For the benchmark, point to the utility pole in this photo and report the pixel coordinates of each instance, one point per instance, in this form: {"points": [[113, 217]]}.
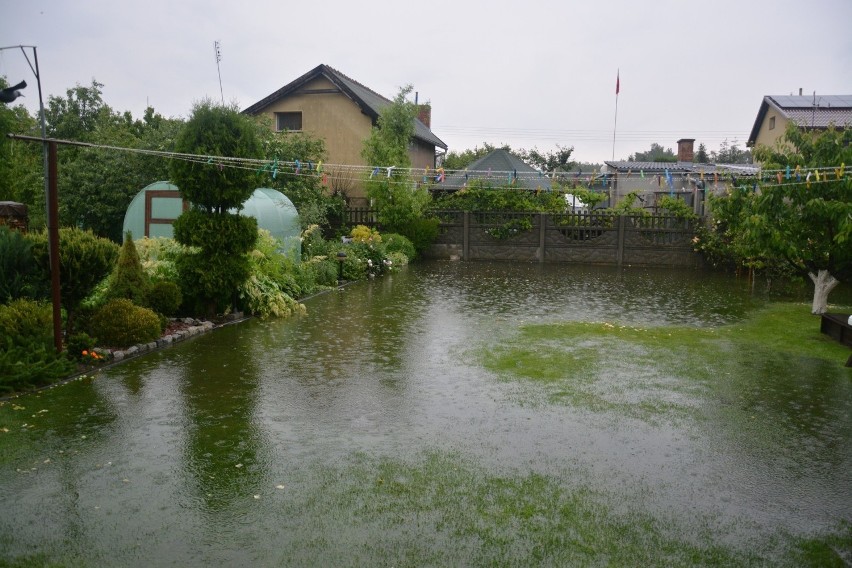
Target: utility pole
{"points": [[218, 49]]}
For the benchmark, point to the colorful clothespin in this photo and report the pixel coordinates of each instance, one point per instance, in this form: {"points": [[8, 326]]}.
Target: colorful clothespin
{"points": [[375, 172], [787, 172]]}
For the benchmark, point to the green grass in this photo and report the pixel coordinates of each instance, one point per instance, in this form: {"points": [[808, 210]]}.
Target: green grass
{"points": [[648, 372]]}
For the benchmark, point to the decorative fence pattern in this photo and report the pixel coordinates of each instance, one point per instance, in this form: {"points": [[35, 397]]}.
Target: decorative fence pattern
{"points": [[579, 237]]}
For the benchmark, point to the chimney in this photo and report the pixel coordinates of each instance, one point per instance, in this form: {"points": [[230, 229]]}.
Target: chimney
{"points": [[685, 151], [800, 91], [424, 114]]}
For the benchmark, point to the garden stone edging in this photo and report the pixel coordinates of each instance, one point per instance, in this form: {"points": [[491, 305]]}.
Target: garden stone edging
{"points": [[196, 327]]}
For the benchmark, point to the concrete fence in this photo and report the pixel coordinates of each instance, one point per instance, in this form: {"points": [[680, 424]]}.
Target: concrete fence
{"points": [[579, 237]]}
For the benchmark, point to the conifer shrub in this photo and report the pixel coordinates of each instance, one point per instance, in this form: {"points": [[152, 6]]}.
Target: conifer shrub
{"points": [[128, 280], [20, 275], [164, 298], [27, 356], [121, 323]]}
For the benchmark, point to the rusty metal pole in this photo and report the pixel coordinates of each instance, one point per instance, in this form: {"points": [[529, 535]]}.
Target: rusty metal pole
{"points": [[53, 243]]}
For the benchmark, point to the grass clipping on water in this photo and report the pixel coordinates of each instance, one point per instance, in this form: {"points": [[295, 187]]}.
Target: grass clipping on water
{"points": [[648, 371]]}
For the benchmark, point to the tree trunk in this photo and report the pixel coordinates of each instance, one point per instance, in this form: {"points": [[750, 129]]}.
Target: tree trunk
{"points": [[824, 283]]}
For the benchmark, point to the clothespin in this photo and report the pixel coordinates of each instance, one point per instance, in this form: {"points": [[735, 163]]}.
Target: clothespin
{"points": [[787, 172], [808, 180], [374, 172], [298, 167], [798, 173], [319, 166], [779, 177], [817, 174], [390, 171]]}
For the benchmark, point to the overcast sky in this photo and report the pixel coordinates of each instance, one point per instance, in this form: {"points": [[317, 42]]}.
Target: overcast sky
{"points": [[530, 74]]}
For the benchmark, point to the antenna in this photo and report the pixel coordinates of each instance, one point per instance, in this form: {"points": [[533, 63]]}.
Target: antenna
{"points": [[218, 49]]}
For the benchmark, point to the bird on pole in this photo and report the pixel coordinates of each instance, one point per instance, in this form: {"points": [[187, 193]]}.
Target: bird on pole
{"points": [[9, 94]]}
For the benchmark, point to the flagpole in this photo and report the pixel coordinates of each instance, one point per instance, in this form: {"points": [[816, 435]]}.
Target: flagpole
{"points": [[615, 125]]}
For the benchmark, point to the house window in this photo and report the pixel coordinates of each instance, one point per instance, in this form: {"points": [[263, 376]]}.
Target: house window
{"points": [[288, 120], [771, 123]]}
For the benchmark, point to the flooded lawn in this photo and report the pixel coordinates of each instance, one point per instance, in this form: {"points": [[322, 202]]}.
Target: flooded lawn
{"points": [[453, 414]]}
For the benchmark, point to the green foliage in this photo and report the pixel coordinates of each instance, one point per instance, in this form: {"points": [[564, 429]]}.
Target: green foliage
{"points": [[627, 206], [26, 321], [558, 161], [270, 286], [656, 154], [397, 196], [128, 280], [215, 131], [84, 260], [158, 256], [313, 243], [225, 232], [510, 229], [482, 196], [163, 297], [209, 282], [422, 232], [389, 140], [364, 234], [396, 243], [21, 165], [809, 225], [28, 367], [98, 184], [27, 356], [80, 346], [677, 207], [20, 275], [209, 276], [121, 323]]}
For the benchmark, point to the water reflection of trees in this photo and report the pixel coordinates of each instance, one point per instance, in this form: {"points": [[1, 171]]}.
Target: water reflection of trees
{"points": [[223, 450]]}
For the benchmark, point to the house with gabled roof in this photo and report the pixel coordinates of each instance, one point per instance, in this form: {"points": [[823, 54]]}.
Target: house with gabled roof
{"points": [[810, 111], [329, 105]]}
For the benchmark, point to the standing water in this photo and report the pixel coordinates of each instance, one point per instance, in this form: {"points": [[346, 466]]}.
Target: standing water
{"points": [[398, 423]]}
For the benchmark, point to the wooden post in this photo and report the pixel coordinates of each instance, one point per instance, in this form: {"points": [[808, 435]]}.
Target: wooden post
{"points": [[542, 228], [53, 243]]}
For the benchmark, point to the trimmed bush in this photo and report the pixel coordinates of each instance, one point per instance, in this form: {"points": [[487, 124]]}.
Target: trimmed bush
{"points": [[394, 242], [164, 298], [27, 321], [128, 280], [84, 260], [121, 323]]}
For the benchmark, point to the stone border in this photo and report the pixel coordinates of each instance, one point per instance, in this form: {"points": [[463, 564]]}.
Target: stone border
{"points": [[196, 327]]}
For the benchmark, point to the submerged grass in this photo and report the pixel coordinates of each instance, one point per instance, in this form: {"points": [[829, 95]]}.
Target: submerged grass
{"points": [[648, 372]]}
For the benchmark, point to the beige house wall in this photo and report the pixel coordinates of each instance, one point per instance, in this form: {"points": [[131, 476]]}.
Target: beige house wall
{"points": [[769, 137]]}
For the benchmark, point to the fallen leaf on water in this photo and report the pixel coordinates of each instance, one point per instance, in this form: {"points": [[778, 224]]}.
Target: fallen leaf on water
{"points": [[257, 496], [279, 487], [239, 465]]}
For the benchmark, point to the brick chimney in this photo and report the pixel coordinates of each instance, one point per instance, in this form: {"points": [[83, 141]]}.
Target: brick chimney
{"points": [[424, 114], [685, 152]]}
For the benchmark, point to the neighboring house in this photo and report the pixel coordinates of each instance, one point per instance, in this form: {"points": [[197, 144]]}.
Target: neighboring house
{"points": [[684, 179], [329, 105], [810, 111], [498, 168]]}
